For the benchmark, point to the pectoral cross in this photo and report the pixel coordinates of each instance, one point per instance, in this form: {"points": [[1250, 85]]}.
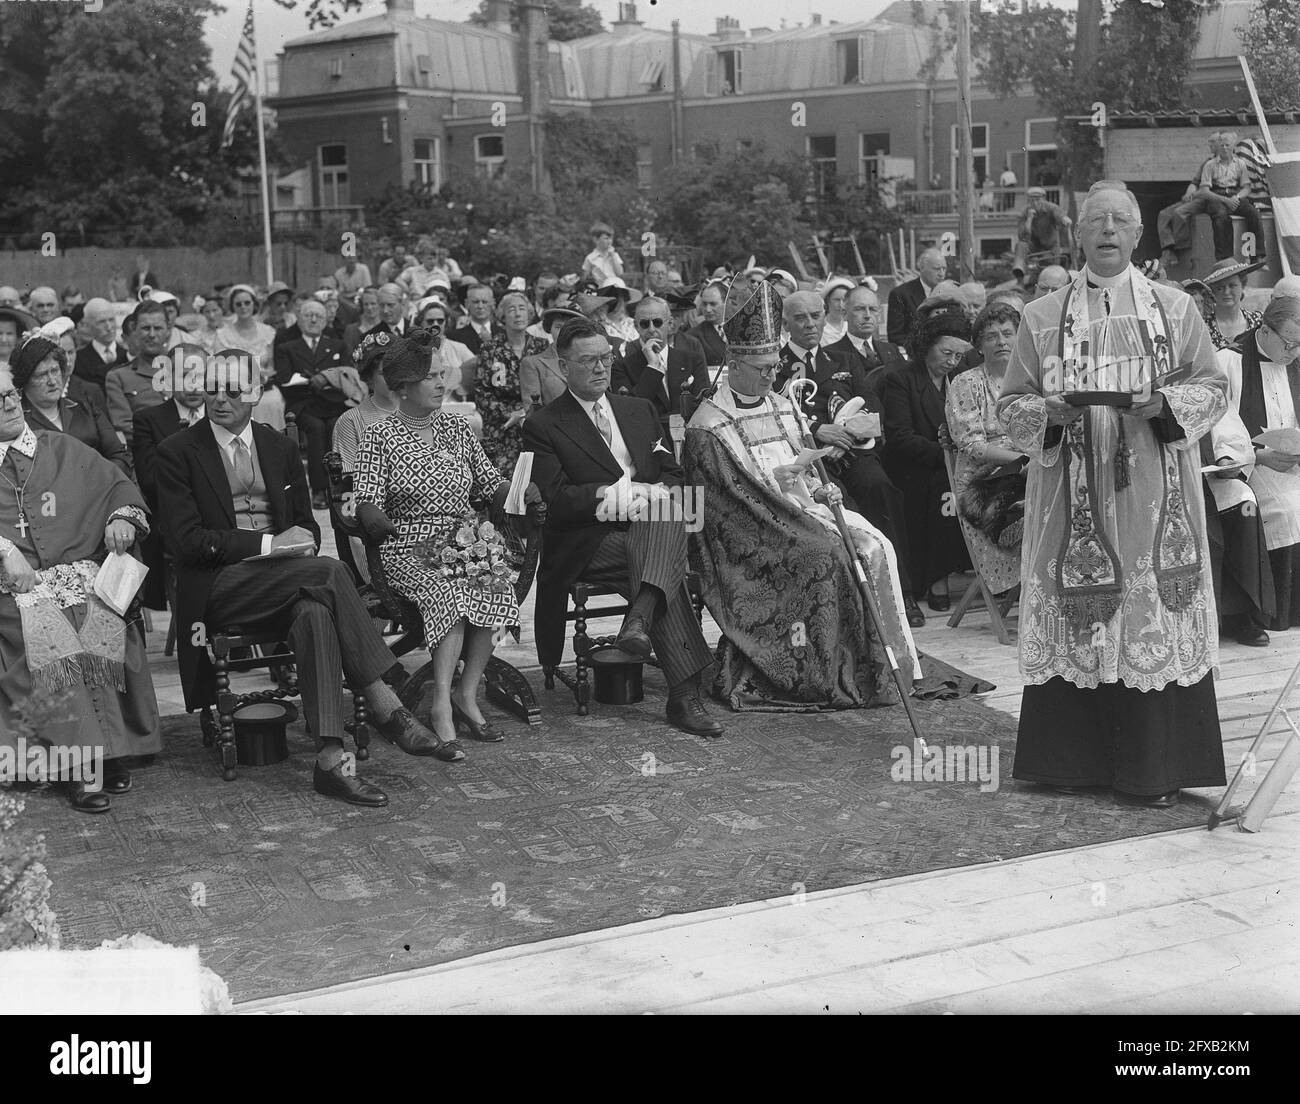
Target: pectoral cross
{"points": [[22, 525]]}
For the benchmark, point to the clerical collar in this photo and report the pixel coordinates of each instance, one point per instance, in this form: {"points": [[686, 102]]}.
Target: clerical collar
{"points": [[1096, 281], [747, 402], [25, 443]]}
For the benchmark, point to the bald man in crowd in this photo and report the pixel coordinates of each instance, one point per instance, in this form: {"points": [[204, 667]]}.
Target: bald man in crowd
{"points": [[104, 352], [904, 299], [1050, 279], [9, 297], [43, 303]]}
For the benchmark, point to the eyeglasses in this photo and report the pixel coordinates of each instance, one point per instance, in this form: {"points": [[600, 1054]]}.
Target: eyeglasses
{"points": [[646, 323], [6, 396], [50, 374], [590, 362], [234, 392], [1287, 346], [951, 355], [1122, 221], [435, 322]]}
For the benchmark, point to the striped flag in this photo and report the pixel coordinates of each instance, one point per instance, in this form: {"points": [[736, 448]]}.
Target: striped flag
{"points": [[245, 73], [1284, 180]]}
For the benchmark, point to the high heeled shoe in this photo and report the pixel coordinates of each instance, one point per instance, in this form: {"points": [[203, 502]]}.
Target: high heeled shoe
{"points": [[485, 733]]}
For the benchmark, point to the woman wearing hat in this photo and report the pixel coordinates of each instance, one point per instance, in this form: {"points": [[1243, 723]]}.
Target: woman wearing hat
{"points": [[41, 370], [1227, 282], [415, 473], [14, 322], [541, 378], [251, 335], [496, 380], [835, 293]]}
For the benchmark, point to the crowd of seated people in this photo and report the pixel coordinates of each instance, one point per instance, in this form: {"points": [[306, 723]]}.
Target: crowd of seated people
{"points": [[160, 434]]}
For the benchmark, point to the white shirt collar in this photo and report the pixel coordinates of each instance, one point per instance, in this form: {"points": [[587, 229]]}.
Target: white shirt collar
{"points": [[25, 443], [225, 438], [861, 343], [589, 405], [185, 412], [801, 354], [106, 352]]}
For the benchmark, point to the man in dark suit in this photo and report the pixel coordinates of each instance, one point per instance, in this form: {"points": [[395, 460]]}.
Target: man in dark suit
{"points": [[605, 469], [104, 352], [308, 394], [868, 357], [478, 327], [904, 299], [709, 331], [858, 470], [652, 369], [152, 427], [231, 490]]}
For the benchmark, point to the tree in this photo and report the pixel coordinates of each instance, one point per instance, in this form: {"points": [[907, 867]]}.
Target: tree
{"points": [[124, 103], [1271, 40], [27, 35], [569, 19], [733, 204]]}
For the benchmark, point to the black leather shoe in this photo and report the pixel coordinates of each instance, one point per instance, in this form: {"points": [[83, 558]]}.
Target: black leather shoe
{"points": [[1252, 636], [1159, 801], [319, 501], [915, 616], [633, 637], [117, 779], [689, 715], [413, 738], [485, 733], [940, 603], [334, 783], [84, 801]]}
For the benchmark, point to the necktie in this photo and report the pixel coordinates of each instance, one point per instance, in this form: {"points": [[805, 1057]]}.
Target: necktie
{"points": [[602, 424], [808, 361], [243, 464], [311, 344]]}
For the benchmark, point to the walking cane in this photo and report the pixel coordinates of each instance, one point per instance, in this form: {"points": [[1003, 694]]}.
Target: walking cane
{"points": [[797, 389]]}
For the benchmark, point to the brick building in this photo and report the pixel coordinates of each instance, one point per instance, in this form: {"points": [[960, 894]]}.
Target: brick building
{"points": [[399, 98]]}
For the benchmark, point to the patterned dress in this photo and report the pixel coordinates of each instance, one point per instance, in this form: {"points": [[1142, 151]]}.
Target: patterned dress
{"points": [[425, 493], [972, 416], [496, 394]]}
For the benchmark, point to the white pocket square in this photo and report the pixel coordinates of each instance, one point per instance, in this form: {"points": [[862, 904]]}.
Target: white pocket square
{"points": [[659, 447]]}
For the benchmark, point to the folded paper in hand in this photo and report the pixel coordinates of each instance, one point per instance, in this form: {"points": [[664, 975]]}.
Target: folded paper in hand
{"points": [[1283, 440], [519, 484], [808, 457], [118, 580]]}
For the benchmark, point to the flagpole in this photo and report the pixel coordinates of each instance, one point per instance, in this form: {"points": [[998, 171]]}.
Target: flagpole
{"points": [[261, 153], [1272, 156]]}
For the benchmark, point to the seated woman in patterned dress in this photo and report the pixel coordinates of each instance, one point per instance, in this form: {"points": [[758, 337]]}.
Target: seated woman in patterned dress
{"points": [[991, 509], [413, 479]]}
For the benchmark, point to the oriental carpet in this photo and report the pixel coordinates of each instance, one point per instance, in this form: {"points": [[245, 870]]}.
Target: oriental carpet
{"points": [[581, 824]]}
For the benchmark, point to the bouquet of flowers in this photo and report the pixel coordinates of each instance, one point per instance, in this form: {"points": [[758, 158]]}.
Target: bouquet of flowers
{"points": [[472, 551]]}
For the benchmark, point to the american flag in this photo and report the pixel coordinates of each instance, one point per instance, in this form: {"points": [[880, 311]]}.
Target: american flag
{"points": [[1284, 181], [245, 73]]}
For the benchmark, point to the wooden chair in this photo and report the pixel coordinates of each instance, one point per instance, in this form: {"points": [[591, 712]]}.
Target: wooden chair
{"points": [[506, 685], [998, 610], [582, 592], [234, 650]]}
